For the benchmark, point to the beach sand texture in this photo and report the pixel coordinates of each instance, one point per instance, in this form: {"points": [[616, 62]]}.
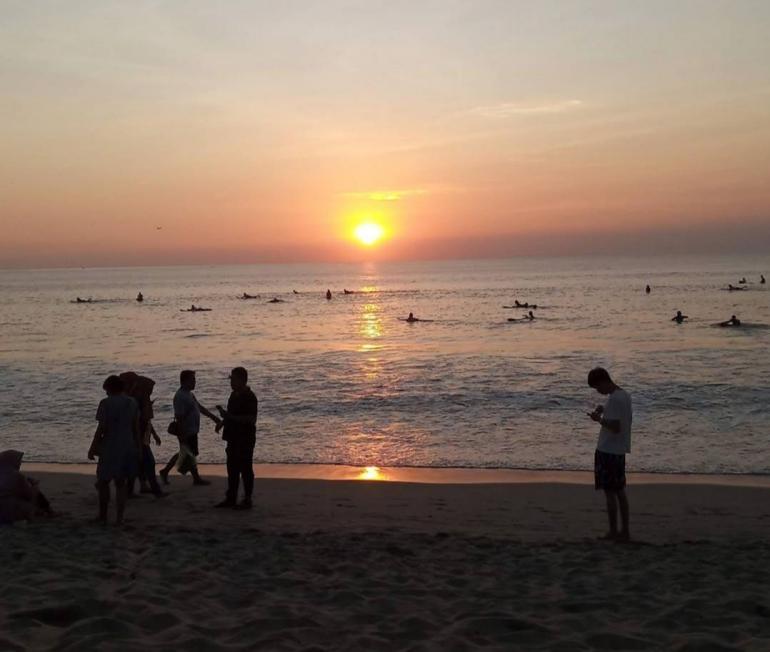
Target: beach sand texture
{"points": [[350, 565]]}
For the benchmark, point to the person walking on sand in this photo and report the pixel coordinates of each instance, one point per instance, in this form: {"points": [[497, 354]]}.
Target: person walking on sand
{"points": [[116, 443], [610, 458], [187, 413], [240, 433], [140, 389]]}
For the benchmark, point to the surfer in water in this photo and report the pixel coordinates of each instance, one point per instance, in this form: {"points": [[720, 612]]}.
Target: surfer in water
{"points": [[647, 290], [530, 316], [250, 296], [140, 297], [743, 280], [762, 279], [734, 288], [411, 319], [679, 317], [79, 300], [328, 295], [275, 300], [733, 321]]}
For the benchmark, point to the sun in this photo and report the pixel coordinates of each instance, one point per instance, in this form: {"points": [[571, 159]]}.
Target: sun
{"points": [[368, 233]]}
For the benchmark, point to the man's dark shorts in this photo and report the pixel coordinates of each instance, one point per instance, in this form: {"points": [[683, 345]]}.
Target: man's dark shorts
{"points": [[609, 471]]}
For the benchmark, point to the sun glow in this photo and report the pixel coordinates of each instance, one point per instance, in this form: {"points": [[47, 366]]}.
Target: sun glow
{"points": [[368, 233], [371, 473]]}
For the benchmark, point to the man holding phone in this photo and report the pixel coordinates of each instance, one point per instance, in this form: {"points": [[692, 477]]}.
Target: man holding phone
{"points": [[614, 442], [240, 433]]}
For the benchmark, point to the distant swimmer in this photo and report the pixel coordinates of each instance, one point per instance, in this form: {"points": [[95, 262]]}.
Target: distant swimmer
{"points": [[140, 297], [328, 295], [411, 319], [734, 288], [295, 292], [79, 300], [194, 308], [762, 279], [348, 291], [648, 289], [275, 300], [529, 316], [733, 321], [518, 304], [679, 317], [250, 296], [743, 280]]}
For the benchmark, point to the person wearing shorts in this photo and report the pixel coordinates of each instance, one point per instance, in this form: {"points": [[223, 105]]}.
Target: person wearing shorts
{"points": [[614, 419]]}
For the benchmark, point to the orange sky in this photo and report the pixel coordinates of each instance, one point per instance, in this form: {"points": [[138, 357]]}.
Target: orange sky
{"points": [[465, 128]]}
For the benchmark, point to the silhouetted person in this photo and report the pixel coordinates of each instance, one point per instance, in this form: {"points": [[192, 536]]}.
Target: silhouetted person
{"points": [[648, 289], [140, 297], [733, 321], [275, 300], [679, 317], [79, 300], [328, 295], [187, 413], [614, 442], [116, 443], [743, 280], [140, 389], [762, 279], [240, 433], [734, 288], [249, 296], [530, 316], [411, 318], [20, 495]]}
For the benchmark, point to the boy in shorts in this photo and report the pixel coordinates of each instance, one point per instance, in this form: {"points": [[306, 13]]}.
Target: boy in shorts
{"points": [[615, 418]]}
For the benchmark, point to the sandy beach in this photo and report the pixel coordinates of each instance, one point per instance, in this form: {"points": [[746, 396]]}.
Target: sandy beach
{"points": [[356, 565]]}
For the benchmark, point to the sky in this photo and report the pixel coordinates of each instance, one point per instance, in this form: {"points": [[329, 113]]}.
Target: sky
{"points": [[179, 132]]}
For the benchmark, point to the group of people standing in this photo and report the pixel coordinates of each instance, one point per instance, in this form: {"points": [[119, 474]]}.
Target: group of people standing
{"points": [[124, 432]]}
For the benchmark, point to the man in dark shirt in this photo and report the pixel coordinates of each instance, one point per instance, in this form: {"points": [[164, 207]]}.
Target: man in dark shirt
{"points": [[240, 433]]}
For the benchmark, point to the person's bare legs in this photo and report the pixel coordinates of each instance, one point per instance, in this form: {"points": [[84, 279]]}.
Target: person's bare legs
{"points": [[167, 469], [625, 532], [104, 500], [612, 514], [197, 480], [120, 499]]}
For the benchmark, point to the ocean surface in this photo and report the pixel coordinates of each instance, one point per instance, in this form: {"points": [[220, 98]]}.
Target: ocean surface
{"points": [[346, 382]]}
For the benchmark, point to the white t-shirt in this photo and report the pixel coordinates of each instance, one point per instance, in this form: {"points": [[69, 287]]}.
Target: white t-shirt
{"points": [[186, 410], [618, 407]]}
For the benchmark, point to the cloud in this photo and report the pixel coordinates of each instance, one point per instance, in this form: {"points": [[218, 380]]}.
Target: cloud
{"points": [[386, 195], [509, 109]]}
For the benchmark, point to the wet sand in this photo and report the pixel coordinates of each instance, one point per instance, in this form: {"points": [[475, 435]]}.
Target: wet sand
{"points": [[365, 565]]}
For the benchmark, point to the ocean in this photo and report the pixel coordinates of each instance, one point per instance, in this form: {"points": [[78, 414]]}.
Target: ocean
{"points": [[346, 381]]}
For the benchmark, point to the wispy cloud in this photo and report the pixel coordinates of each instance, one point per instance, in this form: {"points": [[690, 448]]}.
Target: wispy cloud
{"points": [[508, 109], [386, 195]]}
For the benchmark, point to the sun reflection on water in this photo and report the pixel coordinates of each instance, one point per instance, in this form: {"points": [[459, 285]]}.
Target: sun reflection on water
{"points": [[371, 473]]}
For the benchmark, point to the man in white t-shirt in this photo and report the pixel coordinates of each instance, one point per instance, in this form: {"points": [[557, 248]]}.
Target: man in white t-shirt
{"points": [[187, 413], [615, 418]]}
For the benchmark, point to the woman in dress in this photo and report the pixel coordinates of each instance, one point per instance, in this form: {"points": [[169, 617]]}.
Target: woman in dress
{"points": [[116, 443]]}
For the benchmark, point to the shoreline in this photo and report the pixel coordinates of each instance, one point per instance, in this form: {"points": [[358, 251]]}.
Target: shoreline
{"points": [[436, 475]]}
